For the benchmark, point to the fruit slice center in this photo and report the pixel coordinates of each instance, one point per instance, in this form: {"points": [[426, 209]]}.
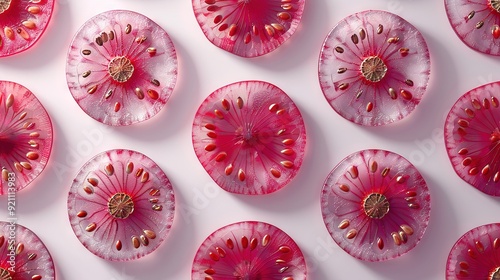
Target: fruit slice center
{"points": [[4, 273], [120, 206], [495, 4], [376, 206], [4, 5], [373, 68], [120, 69], [495, 274]]}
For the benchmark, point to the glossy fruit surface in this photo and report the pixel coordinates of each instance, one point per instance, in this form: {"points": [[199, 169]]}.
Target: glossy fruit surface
{"points": [[22, 23], [23, 256], [374, 68], [248, 28], [250, 137], [476, 255], [476, 23], [376, 205], [121, 205], [121, 67], [472, 137], [26, 137], [249, 250]]}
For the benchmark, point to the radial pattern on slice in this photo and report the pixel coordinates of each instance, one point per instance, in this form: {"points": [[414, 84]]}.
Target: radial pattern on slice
{"points": [[248, 28], [250, 137], [121, 67], [472, 137], [376, 205], [22, 22], [31, 259], [476, 255], [476, 23], [249, 250], [121, 205], [374, 68], [25, 137]]}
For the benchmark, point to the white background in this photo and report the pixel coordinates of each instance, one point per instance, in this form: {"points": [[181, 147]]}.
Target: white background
{"points": [[201, 206]]}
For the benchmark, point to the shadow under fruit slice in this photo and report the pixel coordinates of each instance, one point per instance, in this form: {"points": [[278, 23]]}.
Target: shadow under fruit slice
{"points": [[376, 205], [121, 67], [25, 137], [249, 250], [250, 137], [476, 23], [374, 68], [248, 28], [472, 138], [476, 255], [121, 205], [32, 259], [22, 23]]}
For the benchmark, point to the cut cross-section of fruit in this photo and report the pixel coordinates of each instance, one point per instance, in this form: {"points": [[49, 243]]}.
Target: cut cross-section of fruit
{"points": [[376, 205], [121, 205], [249, 250], [476, 23], [476, 255], [374, 68], [121, 67], [472, 137], [248, 28], [25, 137], [250, 137], [23, 255], [22, 23]]}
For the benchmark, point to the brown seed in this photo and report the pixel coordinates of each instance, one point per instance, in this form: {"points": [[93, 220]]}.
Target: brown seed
{"points": [[409, 82], [145, 177], [265, 240], [5, 174], [479, 246], [144, 240], [253, 243], [369, 107], [486, 103], [29, 24], [355, 39], [344, 188], [155, 82], [139, 93], [362, 34], [343, 86], [149, 234], [403, 236], [218, 114], [32, 155], [98, 41], [406, 94], [88, 189], [277, 26], [353, 171], [230, 243], [287, 164], [93, 181], [25, 165], [469, 112], [471, 15], [81, 214], [153, 94], [393, 40], [108, 94], [239, 102], [341, 70], [19, 248], [110, 170], [287, 152], [406, 229], [221, 252], [18, 166], [284, 16], [373, 166], [34, 10], [92, 89], [86, 52], [275, 172], [339, 49], [476, 104], [9, 33], [385, 171], [463, 123], [140, 39], [404, 51], [10, 101], [486, 170], [86, 74], [284, 249], [111, 35], [288, 142], [154, 192], [118, 245], [396, 238], [157, 207], [225, 104], [351, 234], [128, 29], [269, 29], [479, 24], [32, 256], [380, 243], [151, 51], [135, 242], [344, 224], [91, 227], [392, 93], [494, 102], [380, 29], [130, 167]]}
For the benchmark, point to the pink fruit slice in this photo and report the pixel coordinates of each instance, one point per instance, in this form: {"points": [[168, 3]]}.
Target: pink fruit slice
{"points": [[476, 23], [121, 205], [476, 255], [121, 67], [25, 137], [248, 28], [374, 68], [23, 255], [472, 137], [376, 205], [250, 137], [22, 23], [249, 250]]}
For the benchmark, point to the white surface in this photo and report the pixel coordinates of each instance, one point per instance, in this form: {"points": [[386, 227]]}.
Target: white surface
{"points": [[202, 206]]}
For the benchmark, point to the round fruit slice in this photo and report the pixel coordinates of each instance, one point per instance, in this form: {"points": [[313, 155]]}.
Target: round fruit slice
{"points": [[249, 250], [248, 28], [121, 67], [250, 137], [22, 23], [25, 137], [476, 23], [476, 255], [23, 255], [374, 68], [376, 205], [121, 205], [472, 137]]}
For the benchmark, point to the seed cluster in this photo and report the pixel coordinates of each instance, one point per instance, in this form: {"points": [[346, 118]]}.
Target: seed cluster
{"points": [[22, 253], [27, 22]]}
